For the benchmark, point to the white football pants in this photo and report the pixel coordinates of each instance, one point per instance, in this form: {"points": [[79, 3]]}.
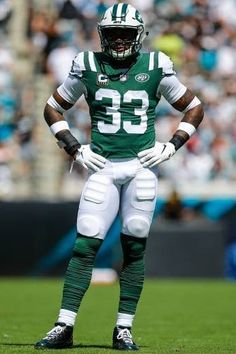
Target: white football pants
{"points": [[123, 186]]}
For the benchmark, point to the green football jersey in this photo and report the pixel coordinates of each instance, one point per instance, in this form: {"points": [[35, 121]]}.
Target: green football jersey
{"points": [[121, 102]]}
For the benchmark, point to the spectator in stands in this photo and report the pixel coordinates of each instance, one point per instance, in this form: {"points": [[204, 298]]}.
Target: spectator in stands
{"points": [[60, 59], [201, 31], [173, 209], [5, 14]]}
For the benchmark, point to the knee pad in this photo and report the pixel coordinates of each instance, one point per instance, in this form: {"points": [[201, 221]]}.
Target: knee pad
{"points": [[138, 226], [88, 225]]}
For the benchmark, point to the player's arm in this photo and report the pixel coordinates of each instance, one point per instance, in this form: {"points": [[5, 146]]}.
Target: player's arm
{"points": [[182, 99], [53, 114], [63, 99], [192, 108]]}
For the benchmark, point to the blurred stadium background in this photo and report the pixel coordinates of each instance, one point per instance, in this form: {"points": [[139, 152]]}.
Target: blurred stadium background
{"points": [[194, 228]]}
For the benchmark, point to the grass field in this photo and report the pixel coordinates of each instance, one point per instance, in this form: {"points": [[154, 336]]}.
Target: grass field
{"points": [[174, 316]]}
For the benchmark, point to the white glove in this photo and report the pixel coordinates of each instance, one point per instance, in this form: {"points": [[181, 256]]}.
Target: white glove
{"points": [[159, 153], [88, 159]]}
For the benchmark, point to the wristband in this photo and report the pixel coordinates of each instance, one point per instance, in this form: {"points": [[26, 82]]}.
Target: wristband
{"points": [[68, 142], [187, 128], [58, 126], [177, 141]]}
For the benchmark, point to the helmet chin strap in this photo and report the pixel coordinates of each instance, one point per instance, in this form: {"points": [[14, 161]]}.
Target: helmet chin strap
{"points": [[125, 64]]}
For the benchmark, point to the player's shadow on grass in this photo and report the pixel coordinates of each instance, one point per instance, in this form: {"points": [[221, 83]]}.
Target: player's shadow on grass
{"points": [[17, 344], [101, 346], [98, 346]]}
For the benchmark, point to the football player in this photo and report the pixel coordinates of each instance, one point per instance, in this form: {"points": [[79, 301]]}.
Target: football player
{"points": [[122, 87]]}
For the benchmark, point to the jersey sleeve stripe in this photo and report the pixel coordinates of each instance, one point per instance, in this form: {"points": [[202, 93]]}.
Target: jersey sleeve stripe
{"points": [[166, 64], [162, 59], [92, 61], [80, 60], [151, 61]]}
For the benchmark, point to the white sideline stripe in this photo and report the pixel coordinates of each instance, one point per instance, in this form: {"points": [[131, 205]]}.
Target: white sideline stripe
{"points": [[151, 61], [81, 61], [91, 61]]}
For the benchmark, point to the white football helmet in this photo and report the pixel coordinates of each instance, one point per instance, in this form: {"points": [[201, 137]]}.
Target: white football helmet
{"points": [[121, 31]]}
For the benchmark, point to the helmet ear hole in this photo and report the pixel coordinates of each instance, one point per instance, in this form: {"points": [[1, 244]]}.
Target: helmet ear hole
{"points": [[121, 31]]}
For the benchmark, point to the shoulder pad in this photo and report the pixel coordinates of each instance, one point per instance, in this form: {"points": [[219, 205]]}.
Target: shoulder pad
{"points": [[83, 61], [166, 64]]}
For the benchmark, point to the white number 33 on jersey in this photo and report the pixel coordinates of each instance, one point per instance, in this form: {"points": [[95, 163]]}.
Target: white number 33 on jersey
{"points": [[113, 110]]}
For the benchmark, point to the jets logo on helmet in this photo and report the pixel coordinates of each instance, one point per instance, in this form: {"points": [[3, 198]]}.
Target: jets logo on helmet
{"points": [[121, 31]]}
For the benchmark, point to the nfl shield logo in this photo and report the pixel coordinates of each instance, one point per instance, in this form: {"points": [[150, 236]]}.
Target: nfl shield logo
{"points": [[123, 78]]}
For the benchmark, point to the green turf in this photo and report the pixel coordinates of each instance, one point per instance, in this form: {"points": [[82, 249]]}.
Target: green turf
{"points": [[174, 316]]}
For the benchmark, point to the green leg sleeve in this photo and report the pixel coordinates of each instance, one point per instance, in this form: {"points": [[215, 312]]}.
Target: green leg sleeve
{"points": [[132, 273], [79, 272]]}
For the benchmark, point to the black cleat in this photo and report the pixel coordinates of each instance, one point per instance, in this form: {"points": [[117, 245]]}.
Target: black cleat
{"points": [[61, 336], [122, 339]]}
